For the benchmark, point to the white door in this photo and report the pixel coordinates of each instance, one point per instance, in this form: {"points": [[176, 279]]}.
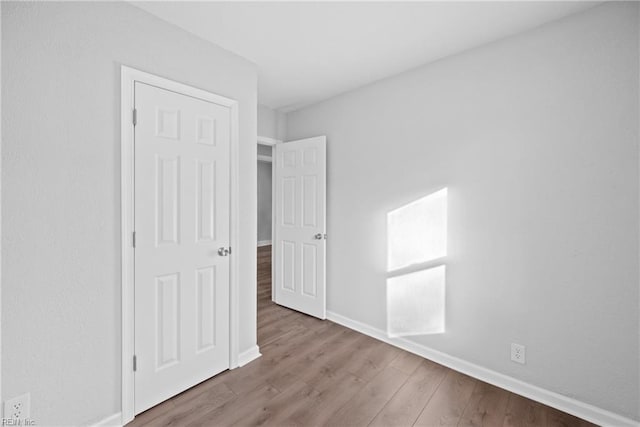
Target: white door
{"points": [[181, 220], [300, 239]]}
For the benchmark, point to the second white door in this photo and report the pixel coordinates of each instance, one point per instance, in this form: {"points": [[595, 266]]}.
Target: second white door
{"points": [[182, 149], [300, 225]]}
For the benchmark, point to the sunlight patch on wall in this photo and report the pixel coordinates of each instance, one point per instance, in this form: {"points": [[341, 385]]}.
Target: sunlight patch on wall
{"points": [[417, 232], [417, 245], [415, 303]]}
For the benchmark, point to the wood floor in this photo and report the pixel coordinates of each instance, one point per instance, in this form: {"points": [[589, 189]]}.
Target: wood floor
{"points": [[315, 373]]}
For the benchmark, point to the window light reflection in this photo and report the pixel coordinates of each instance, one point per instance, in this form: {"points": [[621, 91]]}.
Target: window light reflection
{"points": [[417, 232]]}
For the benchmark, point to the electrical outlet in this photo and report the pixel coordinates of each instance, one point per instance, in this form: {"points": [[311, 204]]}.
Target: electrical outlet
{"points": [[518, 353], [18, 408]]}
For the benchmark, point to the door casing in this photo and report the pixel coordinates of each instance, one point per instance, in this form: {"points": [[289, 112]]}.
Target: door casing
{"points": [[128, 77]]}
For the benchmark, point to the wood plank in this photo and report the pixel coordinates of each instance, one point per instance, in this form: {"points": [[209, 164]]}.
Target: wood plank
{"points": [[233, 411], [407, 362], [329, 397], [359, 353], [487, 406], [191, 403], [307, 361], [280, 372], [406, 405], [333, 363], [378, 357], [366, 403], [335, 360], [522, 412], [279, 407], [446, 406]]}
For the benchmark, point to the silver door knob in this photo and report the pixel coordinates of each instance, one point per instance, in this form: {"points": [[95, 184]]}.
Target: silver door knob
{"points": [[318, 236], [224, 251]]}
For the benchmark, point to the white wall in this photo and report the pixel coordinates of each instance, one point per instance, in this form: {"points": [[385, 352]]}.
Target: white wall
{"points": [[61, 199], [271, 123], [536, 137]]}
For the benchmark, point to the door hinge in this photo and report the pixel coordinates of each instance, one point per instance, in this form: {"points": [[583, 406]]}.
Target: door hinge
{"points": [[134, 239], [135, 363], [135, 117]]}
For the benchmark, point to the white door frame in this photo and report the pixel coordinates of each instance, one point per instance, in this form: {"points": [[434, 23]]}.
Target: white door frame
{"points": [[270, 142], [128, 77]]}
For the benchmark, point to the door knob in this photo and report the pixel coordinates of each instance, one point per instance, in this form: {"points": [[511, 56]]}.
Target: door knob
{"points": [[318, 236], [224, 251]]}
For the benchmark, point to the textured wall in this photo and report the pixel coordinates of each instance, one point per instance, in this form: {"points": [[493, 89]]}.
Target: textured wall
{"points": [[61, 192], [536, 137]]}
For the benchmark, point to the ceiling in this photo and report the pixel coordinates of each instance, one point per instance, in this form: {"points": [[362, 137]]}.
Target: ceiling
{"points": [[306, 52]]}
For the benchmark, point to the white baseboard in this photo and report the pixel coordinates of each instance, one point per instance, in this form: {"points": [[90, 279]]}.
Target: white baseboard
{"points": [[566, 404], [264, 243], [249, 355], [110, 421]]}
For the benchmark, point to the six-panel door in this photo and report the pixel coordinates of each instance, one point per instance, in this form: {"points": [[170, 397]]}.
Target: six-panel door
{"points": [[300, 239], [181, 219]]}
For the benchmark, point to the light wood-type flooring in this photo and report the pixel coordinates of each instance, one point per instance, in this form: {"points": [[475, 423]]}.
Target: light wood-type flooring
{"points": [[315, 372]]}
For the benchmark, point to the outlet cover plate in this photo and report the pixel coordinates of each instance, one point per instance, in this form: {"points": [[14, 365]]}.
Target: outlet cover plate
{"points": [[518, 353], [18, 408]]}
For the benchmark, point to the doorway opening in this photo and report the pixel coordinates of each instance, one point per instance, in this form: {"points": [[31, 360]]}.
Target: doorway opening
{"points": [[267, 310], [291, 232], [265, 207]]}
